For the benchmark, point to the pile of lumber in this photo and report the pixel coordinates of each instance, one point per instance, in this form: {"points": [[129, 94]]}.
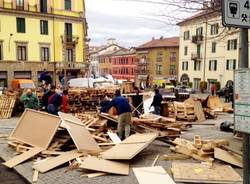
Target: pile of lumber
{"points": [[7, 104], [166, 127], [86, 143], [184, 111], [86, 99], [208, 150]]}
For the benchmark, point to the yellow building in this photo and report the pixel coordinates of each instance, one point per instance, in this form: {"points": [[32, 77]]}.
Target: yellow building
{"points": [[157, 61], [38, 34]]}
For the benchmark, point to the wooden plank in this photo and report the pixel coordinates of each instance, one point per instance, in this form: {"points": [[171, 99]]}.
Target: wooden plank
{"points": [[23, 157], [130, 147], [35, 176], [82, 138], [36, 128], [198, 111], [97, 164], [201, 173], [228, 157], [56, 161], [149, 175], [114, 137]]}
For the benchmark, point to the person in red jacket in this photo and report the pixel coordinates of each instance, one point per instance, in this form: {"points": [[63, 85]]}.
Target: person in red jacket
{"points": [[213, 89], [65, 100]]}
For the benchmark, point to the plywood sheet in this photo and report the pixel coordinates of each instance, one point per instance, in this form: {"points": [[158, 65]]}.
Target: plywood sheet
{"points": [[23, 157], [228, 157], [69, 117], [201, 173], [56, 161], [108, 166], [130, 147], [36, 128], [150, 175], [82, 138]]}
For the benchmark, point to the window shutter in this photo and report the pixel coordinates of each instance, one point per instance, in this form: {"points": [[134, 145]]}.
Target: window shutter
{"points": [[215, 65], [228, 44], [182, 65], [227, 65], [210, 65], [234, 64], [235, 44], [187, 65]]}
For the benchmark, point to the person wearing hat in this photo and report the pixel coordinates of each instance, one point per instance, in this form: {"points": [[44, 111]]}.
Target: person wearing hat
{"points": [[124, 113], [30, 100]]}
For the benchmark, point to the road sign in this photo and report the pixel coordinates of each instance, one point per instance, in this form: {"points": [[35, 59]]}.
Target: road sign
{"points": [[236, 13], [242, 100]]}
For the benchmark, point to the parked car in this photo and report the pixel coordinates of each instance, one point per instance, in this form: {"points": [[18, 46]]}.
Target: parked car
{"points": [[182, 93]]}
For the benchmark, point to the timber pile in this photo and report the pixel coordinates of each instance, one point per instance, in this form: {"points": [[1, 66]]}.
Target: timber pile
{"points": [[208, 150], [86, 99], [165, 127], [7, 103]]}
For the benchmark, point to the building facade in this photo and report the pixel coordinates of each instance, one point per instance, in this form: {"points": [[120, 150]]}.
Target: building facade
{"points": [[157, 61], [208, 51], [123, 63], [41, 34]]}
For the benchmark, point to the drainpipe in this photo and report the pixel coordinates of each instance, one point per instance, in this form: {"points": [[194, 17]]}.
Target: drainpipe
{"points": [[205, 51]]}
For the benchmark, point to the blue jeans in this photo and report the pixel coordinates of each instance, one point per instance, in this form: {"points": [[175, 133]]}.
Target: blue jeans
{"points": [[52, 109], [157, 110]]}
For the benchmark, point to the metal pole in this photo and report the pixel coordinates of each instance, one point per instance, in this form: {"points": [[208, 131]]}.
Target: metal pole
{"points": [[243, 63]]}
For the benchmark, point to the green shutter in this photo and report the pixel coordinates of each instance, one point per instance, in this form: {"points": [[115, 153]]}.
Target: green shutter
{"points": [[20, 25], [67, 4]]}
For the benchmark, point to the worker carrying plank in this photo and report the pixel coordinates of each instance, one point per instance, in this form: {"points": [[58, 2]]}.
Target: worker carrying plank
{"points": [[124, 113]]}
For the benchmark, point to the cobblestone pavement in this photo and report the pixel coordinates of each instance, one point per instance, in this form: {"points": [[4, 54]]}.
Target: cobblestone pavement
{"points": [[145, 158]]}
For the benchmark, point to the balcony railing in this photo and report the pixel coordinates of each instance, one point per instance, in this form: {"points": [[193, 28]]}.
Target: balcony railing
{"points": [[70, 39], [197, 38], [195, 56]]}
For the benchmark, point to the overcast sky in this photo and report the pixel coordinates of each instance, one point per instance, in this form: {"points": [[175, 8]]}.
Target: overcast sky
{"points": [[131, 23]]}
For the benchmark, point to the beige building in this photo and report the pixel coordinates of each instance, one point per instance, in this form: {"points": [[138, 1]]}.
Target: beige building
{"points": [[157, 61], [208, 50]]}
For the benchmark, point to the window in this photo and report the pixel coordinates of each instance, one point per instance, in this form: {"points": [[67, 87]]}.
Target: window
{"points": [[197, 65], [199, 31], [21, 53], [20, 23], [67, 4], [214, 29], [199, 50], [185, 65], [159, 57], [20, 4], [186, 35], [44, 27], [212, 65], [232, 44], [197, 83], [173, 56], [44, 53], [68, 31], [185, 50], [69, 55], [43, 6], [231, 64], [172, 70], [158, 69], [1, 51], [213, 47]]}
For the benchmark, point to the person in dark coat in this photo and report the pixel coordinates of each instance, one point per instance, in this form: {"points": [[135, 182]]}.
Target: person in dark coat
{"points": [[45, 97], [124, 113], [137, 102], [157, 102], [54, 102]]}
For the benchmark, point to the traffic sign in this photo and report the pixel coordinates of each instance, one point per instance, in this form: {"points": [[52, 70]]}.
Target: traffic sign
{"points": [[242, 100], [236, 13]]}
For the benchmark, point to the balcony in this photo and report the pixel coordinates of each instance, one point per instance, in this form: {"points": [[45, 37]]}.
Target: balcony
{"points": [[70, 40], [196, 56], [72, 65], [197, 38]]}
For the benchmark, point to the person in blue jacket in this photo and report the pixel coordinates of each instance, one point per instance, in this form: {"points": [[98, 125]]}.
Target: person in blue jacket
{"points": [[124, 113], [157, 102]]}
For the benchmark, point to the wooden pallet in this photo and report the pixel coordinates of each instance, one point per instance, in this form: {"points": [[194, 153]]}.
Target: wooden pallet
{"points": [[7, 104]]}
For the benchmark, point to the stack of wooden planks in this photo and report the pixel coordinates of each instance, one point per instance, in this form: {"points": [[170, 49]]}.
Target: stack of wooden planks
{"points": [[7, 103], [87, 99]]}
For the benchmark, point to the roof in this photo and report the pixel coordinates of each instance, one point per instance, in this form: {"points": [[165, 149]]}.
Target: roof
{"points": [[123, 52], [201, 14], [159, 43], [111, 52]]}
